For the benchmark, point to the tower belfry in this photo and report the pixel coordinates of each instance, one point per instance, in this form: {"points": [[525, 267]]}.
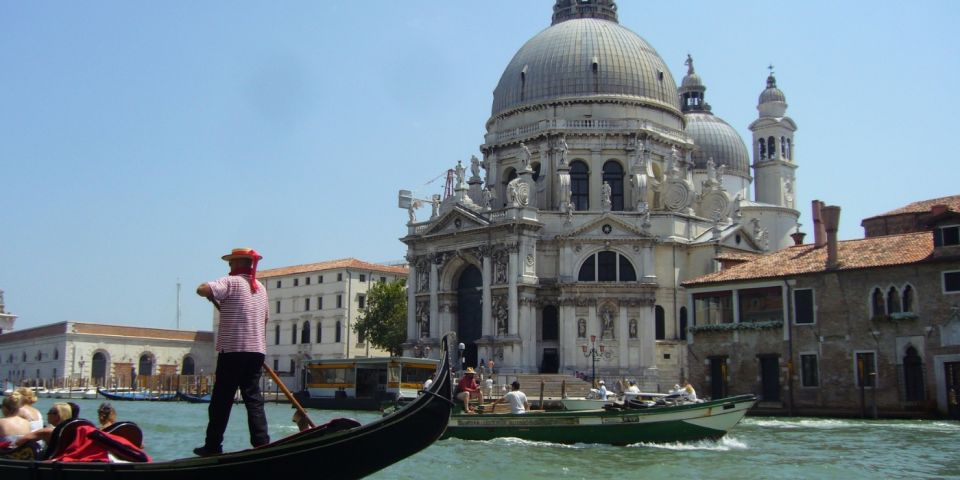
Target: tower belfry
{"points": [[774, 161]]}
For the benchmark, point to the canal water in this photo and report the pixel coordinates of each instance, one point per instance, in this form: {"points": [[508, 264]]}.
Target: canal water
{"points": [[759, 447]]}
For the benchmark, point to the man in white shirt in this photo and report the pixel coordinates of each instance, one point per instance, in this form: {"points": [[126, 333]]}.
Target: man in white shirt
{"points": [[602, 391], [633, 388], [515, 398]]}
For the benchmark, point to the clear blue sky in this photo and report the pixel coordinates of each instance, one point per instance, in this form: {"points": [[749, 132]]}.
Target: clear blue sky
{"points": [[139, 141]]}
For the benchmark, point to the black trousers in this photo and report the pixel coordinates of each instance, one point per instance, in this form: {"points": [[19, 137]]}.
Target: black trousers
{"points": [[237, 370]]}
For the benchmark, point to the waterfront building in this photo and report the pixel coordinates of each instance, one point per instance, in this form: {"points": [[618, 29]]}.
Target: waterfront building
{"points": [[76, 352], [600, 186], [866, 327], [312, 311]]}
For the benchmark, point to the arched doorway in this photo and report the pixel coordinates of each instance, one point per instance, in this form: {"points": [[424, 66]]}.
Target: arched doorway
{"points": [[913, 376], [99, 369], [188, 366], [550, 335], [469, 312], [146, 364]]}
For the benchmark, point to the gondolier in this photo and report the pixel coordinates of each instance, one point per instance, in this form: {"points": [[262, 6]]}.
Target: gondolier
{"points": [[241, 348]]}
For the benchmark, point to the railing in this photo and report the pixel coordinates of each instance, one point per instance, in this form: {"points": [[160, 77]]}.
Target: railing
{"points": [[586, 124]]}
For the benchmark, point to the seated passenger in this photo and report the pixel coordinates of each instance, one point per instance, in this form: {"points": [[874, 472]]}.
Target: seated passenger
{"points": [[58, 413], [12, 425], [515, 398], [689, 393], [468, 388], [633, 388], [106, 414]]}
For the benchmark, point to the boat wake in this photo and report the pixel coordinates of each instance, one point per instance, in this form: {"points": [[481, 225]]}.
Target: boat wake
{"points": [[725, 444], [836, 424]]}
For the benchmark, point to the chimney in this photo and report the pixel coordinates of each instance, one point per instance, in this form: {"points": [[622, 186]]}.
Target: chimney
{"points": [[819, 235], [937, 210], [798, 237], [831, 220]]}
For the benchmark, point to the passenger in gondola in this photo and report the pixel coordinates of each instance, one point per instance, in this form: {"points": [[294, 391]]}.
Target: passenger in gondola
{"points": [[27, 398], [12, 426], [58, 413], [106, 415], [468, 389]]}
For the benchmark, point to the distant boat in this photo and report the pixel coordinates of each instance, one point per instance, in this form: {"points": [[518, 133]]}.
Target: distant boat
{"points": [[138, 396], [190, 398], [364, 383]]}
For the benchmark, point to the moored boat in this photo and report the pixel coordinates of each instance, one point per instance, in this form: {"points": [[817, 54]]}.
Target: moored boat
{"points": [[364, 383], [342, 448], [663, 424], [137, 395], [192, 398]]}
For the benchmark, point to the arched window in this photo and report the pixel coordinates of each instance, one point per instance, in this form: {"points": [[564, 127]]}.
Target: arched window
{"points": [[877, 303], [146, 364], [188, 366], [893, 300], [789, 149], [613, 175], [607, 266], [763, 148], [783, 147], [683, 323], [907, 303], [579, 185], [551, 324], [293, 334], [772, 147], [914, 390], [305, 333], [337, 332], [536, 170], [660, 321], [319, 332]]}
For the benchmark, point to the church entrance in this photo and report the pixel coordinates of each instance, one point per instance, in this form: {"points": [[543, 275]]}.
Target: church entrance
{"points": [[469, 313]]}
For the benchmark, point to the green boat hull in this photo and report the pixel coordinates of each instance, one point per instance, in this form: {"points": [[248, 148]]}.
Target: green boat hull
{"points": [[684, 423]]}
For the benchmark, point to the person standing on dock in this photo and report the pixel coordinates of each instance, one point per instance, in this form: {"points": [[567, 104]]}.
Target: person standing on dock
{"points": [[241, 348]]}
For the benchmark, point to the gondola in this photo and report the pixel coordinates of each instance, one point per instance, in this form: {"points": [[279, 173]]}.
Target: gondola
{"points": [[191, 398], [339, 449], [137, 396]]}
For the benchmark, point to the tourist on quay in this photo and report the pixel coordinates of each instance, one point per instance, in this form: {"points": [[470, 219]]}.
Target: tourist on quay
{"points": [[12, 425], [241, 349], [515, 398], [467, 388], [27, 398], [602, 390], [106, 415]]}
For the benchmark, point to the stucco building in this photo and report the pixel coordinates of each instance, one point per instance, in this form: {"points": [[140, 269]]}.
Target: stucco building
{"points": [[601, 185], [101, 354], [312, 311], [859, 327]]}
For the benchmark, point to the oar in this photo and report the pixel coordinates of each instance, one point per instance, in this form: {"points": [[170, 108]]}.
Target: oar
{"points": [[289, 395], [279, 382]]}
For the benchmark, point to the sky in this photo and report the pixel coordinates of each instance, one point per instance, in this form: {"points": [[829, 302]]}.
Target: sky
{"points": [[141, 141]]}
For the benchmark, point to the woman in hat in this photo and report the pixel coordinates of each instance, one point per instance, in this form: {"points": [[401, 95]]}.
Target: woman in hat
{"points": [[468, 388], [241, 348]]}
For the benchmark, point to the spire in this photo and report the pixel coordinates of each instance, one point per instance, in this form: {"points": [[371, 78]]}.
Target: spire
{"points": [[565, 10], [772, 93]]}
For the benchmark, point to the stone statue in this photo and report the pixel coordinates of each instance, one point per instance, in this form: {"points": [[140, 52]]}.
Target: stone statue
{"points": [[562, 156], [638, 182], [460, 173], [689, 64], [633, 328], [605, 192], [435, 204], [524, 157], [474, 166], [581, 328], [500, 269], [502, 316], [423, 319], [412, 211], [423, 278], [607, 324], [488, 195]]}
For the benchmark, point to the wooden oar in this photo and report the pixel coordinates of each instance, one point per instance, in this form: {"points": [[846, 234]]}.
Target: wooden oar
{"points": [[289, 395], [279, 382]]}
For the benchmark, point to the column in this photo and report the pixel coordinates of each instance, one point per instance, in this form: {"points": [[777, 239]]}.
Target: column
{"points": [[623, 338], [568, 338], [488, 329], [512, 303], [434, 301], [412, 332], [649, 273], [647, 332]]}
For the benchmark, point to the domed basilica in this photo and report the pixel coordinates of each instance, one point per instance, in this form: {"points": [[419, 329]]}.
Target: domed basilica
{"points": [[600, 186]]}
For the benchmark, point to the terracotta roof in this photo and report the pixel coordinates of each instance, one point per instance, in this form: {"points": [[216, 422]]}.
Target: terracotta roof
{"points": [[351, 263], [923, 206], [738, 256], [804, 259], [100, 329]]}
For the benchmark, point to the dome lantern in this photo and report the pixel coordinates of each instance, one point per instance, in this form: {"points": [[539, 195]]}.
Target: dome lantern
{"points": [[565, 10], [692, 90]]}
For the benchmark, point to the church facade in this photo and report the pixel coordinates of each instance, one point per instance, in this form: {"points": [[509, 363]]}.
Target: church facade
{"points": [[600, 186]]}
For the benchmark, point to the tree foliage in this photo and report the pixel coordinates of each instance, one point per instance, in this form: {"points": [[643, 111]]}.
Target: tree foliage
{"points": [[383, 322]]}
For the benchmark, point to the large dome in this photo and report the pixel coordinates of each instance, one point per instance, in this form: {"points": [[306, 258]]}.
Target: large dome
{"points": [[716, 139], [583, 58]]}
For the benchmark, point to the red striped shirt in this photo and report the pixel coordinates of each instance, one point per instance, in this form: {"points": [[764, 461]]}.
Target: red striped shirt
{"points": [[243, 314]]}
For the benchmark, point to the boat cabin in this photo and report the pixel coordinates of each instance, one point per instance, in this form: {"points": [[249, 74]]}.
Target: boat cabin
{"points": [[364, 383]]}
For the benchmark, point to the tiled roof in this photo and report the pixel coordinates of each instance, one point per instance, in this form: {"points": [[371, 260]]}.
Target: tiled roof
{"points": [[923, 206], [738, 256], [101, 329], [351, 263], [804, 259]]}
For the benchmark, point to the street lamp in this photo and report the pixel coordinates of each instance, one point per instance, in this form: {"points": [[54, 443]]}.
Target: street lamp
{"points": [[593, 354], [462, 347]]}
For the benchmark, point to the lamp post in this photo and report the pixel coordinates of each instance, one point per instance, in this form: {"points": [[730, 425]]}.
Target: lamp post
{"points": [[462, 347], [593, 354]]}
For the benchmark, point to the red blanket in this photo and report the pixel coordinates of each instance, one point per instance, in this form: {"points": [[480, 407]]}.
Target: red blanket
{"points": [[93, 445]]}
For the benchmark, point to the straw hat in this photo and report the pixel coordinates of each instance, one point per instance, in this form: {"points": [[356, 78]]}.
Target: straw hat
{"points": [[470, 371], [242, 253]]}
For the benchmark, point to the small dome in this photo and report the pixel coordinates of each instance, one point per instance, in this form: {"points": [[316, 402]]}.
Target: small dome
{"points": [[715, 138], [583, 58], [691, 80], [772, 93]]}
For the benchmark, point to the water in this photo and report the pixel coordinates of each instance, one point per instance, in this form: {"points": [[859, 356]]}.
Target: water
{"points": [[759, 447]]}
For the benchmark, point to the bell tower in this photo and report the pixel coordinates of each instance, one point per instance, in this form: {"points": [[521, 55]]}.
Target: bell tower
{"points": [[774, 161]]}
